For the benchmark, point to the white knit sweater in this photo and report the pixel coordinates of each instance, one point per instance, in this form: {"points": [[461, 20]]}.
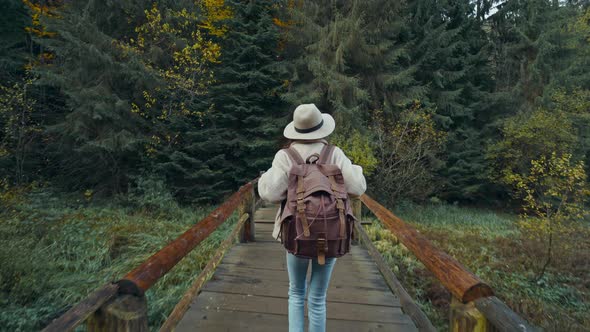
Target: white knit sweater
{"points": [[272, 185]]}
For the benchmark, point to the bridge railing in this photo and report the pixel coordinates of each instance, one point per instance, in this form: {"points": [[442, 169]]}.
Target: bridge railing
{"points": [[122, 305], [473, 307]]}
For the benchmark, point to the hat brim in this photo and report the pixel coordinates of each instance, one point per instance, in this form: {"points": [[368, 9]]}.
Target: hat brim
{"points": [[326, 129]]}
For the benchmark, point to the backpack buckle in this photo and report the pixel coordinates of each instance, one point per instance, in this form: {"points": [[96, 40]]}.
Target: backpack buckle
{"points": [[315, 158], [300, 206]]}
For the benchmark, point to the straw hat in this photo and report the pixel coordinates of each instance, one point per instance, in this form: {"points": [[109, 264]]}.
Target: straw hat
{"points": [[309, 123]]}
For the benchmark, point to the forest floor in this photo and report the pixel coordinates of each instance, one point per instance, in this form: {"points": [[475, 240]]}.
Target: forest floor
{"points": [[56, 249], [491, 245]]}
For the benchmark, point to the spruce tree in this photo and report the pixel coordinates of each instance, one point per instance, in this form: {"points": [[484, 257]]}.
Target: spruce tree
{"points": [[451, 51], [537, 51], [343, 56], [13, 40], [238, 137], [96, 142]]}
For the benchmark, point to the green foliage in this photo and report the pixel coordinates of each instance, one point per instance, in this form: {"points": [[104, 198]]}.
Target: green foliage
{"points": [[537, 51], [342, 56], [408, 152], [151, 194], [13, 48], [238, 138], [18, 130], [358, 148], [155, 103], [576, 105], [494, 248], [56, 250], [526, 138], [554, 193], [529, 136]]}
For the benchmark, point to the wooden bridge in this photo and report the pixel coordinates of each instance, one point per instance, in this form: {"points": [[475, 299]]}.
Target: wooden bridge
{"points": [[244, 287]]}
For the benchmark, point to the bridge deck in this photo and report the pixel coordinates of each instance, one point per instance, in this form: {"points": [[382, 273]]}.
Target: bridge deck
{"points": [[249, 291]]}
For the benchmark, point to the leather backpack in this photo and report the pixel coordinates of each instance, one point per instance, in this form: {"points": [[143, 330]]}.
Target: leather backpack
{"points": [[316, 218]]}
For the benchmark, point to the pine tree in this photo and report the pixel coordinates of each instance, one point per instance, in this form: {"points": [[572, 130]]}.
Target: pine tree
{"points": [[13, 45], [343, 57], [97, 140], [537, 51], [238, 137], [451, 51], [540, 51]]}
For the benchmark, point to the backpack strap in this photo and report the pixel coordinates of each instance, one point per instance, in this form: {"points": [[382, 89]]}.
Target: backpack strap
{"points": [[295, 156], [326, 154], [301, 205]]}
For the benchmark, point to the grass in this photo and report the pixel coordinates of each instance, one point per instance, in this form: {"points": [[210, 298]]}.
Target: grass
{"points": [[57, 249], [490, 244]]}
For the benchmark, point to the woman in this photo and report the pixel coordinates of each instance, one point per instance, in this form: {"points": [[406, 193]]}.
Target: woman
{"points": [[307, 132]]}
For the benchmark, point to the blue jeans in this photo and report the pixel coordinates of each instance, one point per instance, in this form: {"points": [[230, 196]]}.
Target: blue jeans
{"points": [[318, 286]]}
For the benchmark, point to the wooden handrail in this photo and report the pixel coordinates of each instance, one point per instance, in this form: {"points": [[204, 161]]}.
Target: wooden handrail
{"points": [[501, 316], [462, 283], [185, 302], [144, 276], [78, 313], [410, 307], [478, 307]]}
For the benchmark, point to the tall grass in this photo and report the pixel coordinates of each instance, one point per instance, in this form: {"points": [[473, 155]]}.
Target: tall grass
{"points": [[463, 219], [57, 249], [489, 244]]}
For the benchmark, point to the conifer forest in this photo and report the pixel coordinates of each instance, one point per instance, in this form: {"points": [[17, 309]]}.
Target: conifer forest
{"points": [[124, 122]]}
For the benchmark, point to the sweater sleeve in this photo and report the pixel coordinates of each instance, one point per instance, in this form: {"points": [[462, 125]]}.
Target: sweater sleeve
{"points": [[272, 185], [354, 180]]}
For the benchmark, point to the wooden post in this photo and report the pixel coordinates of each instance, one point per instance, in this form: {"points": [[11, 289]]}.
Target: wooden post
{"points": [[124, 313], [251, 223], [247, 207], [464, 317], [357, 208]]}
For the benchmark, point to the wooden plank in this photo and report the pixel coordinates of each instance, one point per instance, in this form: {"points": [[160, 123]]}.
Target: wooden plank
{"points": [[265, 227], [373, 280], [217, 321], [355, 251], [182, 306], [249, 291], [462, 283], [78, 313], [420, 319], [276, 305], [347, 266], [344, 268], [348, 293], [264, 240], [265, 233], [248, 252]]}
